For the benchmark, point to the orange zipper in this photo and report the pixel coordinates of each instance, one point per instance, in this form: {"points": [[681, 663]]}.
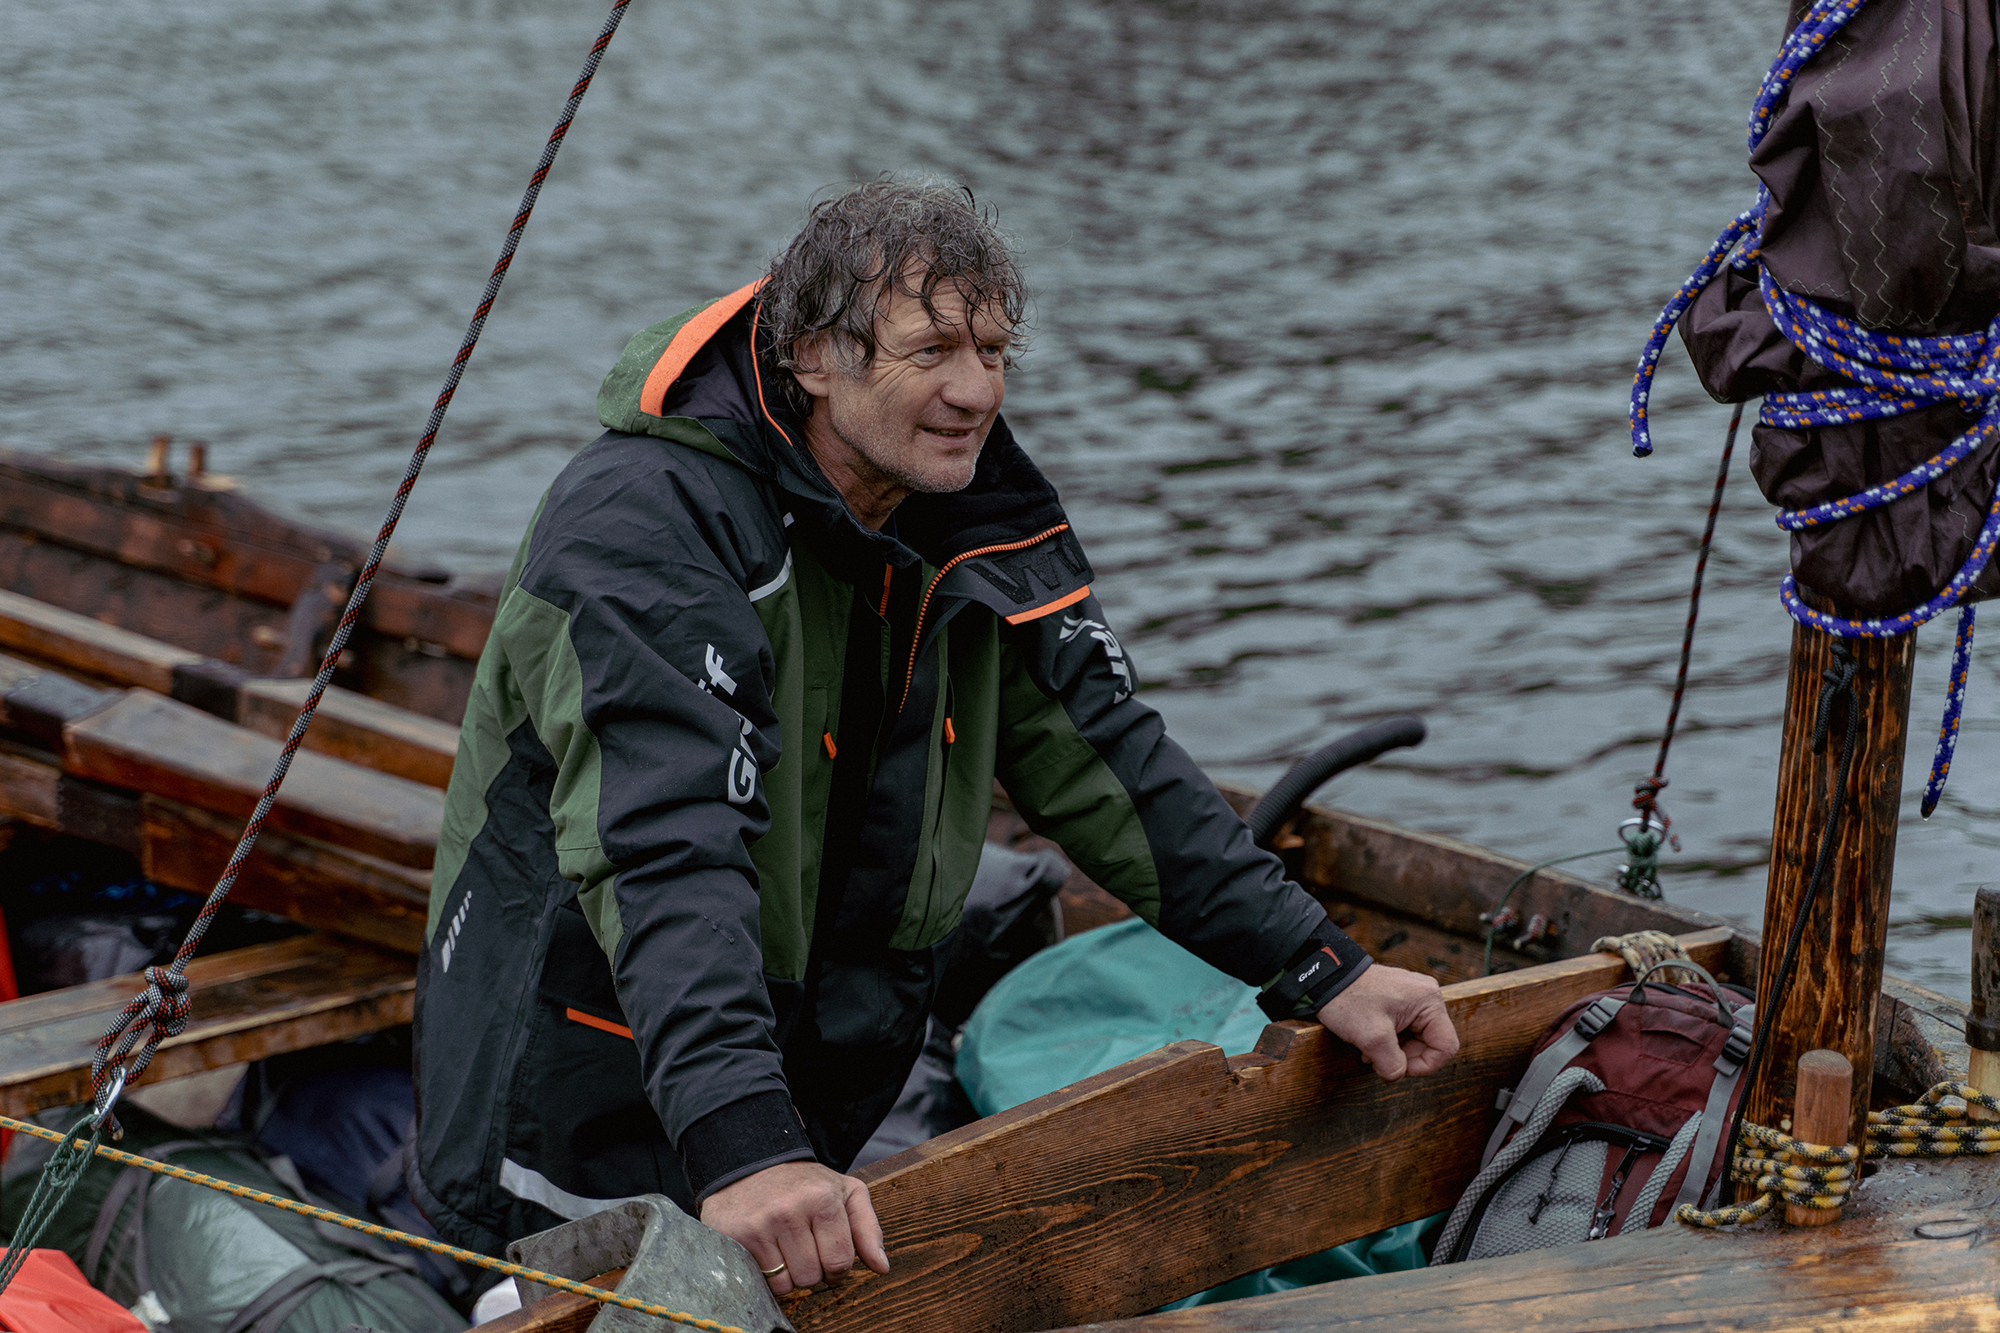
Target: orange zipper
{"points": [[917, 637]]}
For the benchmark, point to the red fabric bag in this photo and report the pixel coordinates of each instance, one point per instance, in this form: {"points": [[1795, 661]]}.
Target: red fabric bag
{"points": [[49, 1295]]}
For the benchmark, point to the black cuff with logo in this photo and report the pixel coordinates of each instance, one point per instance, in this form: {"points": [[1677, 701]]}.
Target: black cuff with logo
{"points": [[742, 1139], [1324, 966]]}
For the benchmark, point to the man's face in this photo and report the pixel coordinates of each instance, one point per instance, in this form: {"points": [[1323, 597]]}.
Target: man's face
{"points": [[916, 417]]}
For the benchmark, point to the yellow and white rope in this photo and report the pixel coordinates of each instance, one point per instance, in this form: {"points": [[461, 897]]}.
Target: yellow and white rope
{"points": [[1815, 1175], [381, 1232]]}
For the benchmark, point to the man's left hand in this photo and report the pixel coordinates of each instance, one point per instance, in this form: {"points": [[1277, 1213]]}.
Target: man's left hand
{"points": [[1396, 1019]]}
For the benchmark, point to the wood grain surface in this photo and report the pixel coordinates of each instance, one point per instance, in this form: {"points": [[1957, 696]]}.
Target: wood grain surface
{"points": [[1183, 1168], [247, 1004], [82, 644], [1825, 1083], [223, 541], [1982, 1029], [1883, 1273], [1832, 998], [348, 725], [313, 883], [148, 743], [560, 1313], [354, 727]]}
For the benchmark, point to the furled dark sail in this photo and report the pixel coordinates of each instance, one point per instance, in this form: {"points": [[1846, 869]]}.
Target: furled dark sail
{"points": [[1884, 187]]}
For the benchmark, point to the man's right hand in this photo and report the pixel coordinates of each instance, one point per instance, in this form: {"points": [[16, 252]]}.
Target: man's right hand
{"points": [[806, 1220]]}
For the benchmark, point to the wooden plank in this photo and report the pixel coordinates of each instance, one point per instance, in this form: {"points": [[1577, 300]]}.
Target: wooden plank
{"points": [[223, 541], [1400, 894], [1351, 861], [1449, 884], [212, 622], [1830, 1002], [313, 883], [158, 745], [348, 725], [82, 644], [354, 727], [247, 1004], [1875, 1274], [28, 786], [1184, 1168], [560, 1313]]}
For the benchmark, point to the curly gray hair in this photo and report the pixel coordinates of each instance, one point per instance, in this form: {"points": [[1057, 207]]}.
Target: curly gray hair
{"points": [[836, 275]]}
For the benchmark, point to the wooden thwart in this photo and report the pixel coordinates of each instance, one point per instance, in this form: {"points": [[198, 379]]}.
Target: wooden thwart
{"points": [[314, 883], [347, 726], [247, 1004]]}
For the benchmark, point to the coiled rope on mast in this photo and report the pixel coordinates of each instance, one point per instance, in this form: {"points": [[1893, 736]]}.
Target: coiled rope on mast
{"points": [[1891, 375]]}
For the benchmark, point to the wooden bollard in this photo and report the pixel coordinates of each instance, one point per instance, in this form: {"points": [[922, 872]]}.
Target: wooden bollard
{"points": [[1982, 1028], [1826, 1081], [1837, 981]]}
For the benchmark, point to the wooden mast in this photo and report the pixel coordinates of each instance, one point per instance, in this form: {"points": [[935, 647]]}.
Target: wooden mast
{"points": [[1830, 1001]]}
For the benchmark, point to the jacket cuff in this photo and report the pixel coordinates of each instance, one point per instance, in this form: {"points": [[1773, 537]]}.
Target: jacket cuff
{"points": [[740, 1140], [1322, 967]]}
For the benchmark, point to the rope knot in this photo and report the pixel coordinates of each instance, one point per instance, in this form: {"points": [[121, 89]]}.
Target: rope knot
{"points": [[164, 1003]]}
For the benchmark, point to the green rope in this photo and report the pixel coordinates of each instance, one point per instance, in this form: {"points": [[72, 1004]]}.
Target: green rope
{"points": [[58, 1181], [1492, 918]]}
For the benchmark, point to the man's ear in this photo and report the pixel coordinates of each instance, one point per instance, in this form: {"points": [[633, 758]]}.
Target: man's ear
{"points": [[813, 375]]}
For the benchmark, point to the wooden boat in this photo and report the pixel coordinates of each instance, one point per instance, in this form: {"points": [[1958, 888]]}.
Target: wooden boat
{"points": [[151, 645]]}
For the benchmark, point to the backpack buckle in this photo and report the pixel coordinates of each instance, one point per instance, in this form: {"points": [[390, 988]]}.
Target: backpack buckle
{"points": [[1734, 1051], [1594, 1019]]}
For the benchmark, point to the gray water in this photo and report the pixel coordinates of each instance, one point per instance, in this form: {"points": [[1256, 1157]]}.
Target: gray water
{"points": [[1337, 308]]}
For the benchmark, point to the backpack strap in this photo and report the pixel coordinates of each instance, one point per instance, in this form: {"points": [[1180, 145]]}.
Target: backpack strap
{"points": [[1567, 1084], [1639, 1217], [1517, 1104], [1715, 1116]]}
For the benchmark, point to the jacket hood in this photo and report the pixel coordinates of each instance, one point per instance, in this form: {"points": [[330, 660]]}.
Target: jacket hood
{"points": [[697, 379]]}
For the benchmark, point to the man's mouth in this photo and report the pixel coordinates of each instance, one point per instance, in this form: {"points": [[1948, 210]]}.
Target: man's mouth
{"points": [[950, 434]]}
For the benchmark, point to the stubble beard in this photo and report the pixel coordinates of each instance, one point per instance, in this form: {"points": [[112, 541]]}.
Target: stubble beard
{"points": [[905, 476]]}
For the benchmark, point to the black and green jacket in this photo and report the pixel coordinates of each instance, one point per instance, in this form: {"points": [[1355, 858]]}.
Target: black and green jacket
{"points": [[722, 788]]}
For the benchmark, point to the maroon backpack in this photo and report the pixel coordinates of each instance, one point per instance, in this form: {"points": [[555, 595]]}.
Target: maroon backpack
{"points": [[1619, 1119]]}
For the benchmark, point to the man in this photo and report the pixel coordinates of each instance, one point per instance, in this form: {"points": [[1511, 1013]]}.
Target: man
{"points": [[726, 769]]}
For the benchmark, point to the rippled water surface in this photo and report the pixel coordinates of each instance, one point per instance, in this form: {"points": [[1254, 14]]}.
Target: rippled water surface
{"points": [[1337, 307]]}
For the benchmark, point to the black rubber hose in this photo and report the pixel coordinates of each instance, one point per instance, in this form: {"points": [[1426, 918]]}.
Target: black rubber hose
{"points": [[1304, 778]]}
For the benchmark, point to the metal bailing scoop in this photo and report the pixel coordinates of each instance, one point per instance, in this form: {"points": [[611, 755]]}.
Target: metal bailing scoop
{"points": [[669, 1259]]}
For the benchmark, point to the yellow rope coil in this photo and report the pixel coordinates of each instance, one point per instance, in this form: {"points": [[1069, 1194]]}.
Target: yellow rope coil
{"points": [[1642, 949], [1815, 1175], [384, 1233]]}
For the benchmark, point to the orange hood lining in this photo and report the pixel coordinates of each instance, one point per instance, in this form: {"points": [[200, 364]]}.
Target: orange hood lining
{"points": [[691, 338]]}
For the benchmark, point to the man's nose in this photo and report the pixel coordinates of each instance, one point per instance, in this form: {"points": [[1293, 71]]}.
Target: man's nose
{"points": [[970, 384]]}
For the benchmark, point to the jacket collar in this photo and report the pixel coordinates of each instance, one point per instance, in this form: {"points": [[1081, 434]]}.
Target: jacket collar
{"points": [[1004, 540]]}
